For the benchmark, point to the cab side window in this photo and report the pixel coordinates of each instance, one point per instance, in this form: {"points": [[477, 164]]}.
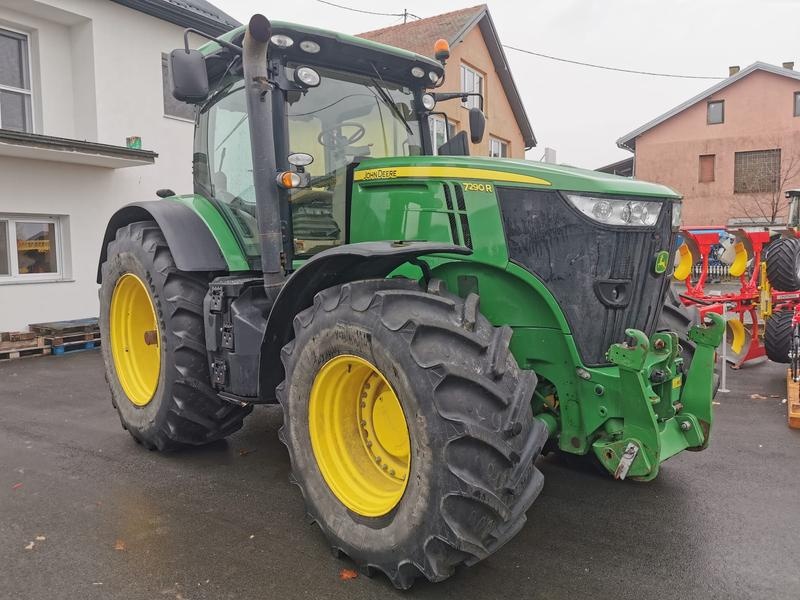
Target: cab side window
{"points": [[223, 164]]}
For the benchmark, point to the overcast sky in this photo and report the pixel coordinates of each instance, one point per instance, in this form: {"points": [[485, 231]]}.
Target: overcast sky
{"points": [[581, 111]]}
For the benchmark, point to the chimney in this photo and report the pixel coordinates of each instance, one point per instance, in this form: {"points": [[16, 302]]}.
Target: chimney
{"points": [[733, 70], [789, 65]]}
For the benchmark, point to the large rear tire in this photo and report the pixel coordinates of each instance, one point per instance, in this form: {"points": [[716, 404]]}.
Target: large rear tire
{"points": [[462, 474], [783, 264], [151, 320], [778, 336]]}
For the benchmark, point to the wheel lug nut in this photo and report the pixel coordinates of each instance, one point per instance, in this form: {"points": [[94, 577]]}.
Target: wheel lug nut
{"points": [[378, 459], [385, 466], [391, 472], [369, 444], [363, 405], [363, 423]]}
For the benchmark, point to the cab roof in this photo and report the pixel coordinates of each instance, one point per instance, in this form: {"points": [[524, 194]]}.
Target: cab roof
{"points": [[338, 49]]}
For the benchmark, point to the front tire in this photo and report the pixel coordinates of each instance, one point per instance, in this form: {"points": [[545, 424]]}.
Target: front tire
{"points": [[783, 264], [778, 336], [471, 436], [151, 322]]}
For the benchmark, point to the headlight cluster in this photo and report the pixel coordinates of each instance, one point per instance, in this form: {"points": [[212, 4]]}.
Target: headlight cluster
{"points": [[617, 211]]}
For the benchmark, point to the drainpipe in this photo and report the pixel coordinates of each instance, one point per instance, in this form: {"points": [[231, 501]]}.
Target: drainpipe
{"points": [[259, 110]]}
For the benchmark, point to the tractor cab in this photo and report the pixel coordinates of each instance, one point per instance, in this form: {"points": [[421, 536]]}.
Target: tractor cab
{"points": [[340, 100]]}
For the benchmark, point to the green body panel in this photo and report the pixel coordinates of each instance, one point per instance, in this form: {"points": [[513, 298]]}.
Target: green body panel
{"points": [[228, 244], [558, 176], [588, 409]]}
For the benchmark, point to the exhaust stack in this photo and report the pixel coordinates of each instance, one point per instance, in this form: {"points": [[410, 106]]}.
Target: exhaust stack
{"points": [[259, 109]]}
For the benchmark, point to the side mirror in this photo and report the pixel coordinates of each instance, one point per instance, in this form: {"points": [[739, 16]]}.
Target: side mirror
{"points": [[477, 125], [189, 76]]}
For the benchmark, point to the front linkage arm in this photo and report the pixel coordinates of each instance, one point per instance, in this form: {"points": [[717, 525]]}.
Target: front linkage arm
{"points": [[664, 411]]}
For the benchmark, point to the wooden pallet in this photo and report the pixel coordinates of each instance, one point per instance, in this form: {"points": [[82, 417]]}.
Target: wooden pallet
{"points": [[16, 336], [71, 338], [792, 401], [75, 346], [57, 328], [57, 338], [9, 354], [18, 344]]}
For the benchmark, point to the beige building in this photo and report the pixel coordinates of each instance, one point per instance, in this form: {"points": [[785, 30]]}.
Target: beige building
{"points": [[732, 151], [477, 64]]}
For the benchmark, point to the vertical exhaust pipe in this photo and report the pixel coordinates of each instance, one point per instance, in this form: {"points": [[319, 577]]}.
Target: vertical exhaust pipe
{"points": [[259, 108]]}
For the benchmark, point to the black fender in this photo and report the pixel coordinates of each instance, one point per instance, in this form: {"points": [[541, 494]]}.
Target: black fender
{"points": [[342, 264], [190, 241]]}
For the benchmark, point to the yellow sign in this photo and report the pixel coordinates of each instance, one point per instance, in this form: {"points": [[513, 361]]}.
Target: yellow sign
{"points": [[33, 245], [677, 382], [446, 172]]}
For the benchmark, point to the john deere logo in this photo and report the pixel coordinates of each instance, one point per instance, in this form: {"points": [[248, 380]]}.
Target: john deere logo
{"points": [[662, 262]]}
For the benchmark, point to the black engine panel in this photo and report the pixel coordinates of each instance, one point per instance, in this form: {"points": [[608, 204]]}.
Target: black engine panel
{"points": [[602, 276]]}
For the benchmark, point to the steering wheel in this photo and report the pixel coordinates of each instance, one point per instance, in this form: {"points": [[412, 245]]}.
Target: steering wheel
{"points": [[333, 139]]}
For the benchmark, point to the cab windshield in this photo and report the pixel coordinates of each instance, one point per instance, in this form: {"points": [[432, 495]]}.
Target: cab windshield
{"points": [[346, 118]]}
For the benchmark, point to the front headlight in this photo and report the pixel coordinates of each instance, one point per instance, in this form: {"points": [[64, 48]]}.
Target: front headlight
{"points": [[617, 211]]}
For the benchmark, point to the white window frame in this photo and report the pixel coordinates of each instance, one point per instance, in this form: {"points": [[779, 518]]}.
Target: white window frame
{"points": [[28, 92], [500, 143], [15, 276], [472, 101], [168, 92], [436, 122]]}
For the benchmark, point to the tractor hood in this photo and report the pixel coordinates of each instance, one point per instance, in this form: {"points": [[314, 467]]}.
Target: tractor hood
{"points": [[504, 171]]}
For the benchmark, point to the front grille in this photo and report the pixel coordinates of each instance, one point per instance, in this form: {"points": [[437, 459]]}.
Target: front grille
{"points": [[602, 277]]}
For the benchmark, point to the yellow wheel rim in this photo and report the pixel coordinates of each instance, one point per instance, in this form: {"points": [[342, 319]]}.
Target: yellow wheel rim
{"points": [[359, 435], [135, 339]]}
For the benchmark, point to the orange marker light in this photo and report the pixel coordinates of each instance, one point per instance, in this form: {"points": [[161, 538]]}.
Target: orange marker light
{"points": [[289, 180], [441, 50]]}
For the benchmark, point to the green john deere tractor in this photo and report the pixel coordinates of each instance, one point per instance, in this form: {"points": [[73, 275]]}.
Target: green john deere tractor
{"points": [[428, 321]]}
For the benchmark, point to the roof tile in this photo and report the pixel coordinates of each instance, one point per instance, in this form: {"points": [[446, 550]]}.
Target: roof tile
{"points": [[418, 36]]}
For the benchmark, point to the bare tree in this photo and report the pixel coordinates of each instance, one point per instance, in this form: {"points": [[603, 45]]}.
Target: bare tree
{"points": [[760, 189]]}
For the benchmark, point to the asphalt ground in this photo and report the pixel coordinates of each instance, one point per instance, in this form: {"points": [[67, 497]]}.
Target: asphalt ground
{"points": [[87, 513]]}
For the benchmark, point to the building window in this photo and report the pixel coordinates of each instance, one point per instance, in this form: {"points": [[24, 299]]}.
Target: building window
{"points": [[471, 83], [756, 172], [715, 112], [15, 82], [706, 172], [438, 134], [172, 107], [797, 104], [30, 248], [498, 148]]}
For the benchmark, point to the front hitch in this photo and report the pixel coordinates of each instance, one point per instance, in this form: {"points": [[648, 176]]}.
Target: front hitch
{"points": [[664, 410]]}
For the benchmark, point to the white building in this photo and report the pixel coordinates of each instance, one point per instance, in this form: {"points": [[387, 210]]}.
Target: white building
{"points": [[77, 78]]}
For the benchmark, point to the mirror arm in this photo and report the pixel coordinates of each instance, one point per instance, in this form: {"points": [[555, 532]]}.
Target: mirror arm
{"points": [[222, 43], [463, 95]]}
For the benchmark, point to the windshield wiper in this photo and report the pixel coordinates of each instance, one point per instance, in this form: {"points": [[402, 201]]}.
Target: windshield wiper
{"points": [[387, 100]]}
